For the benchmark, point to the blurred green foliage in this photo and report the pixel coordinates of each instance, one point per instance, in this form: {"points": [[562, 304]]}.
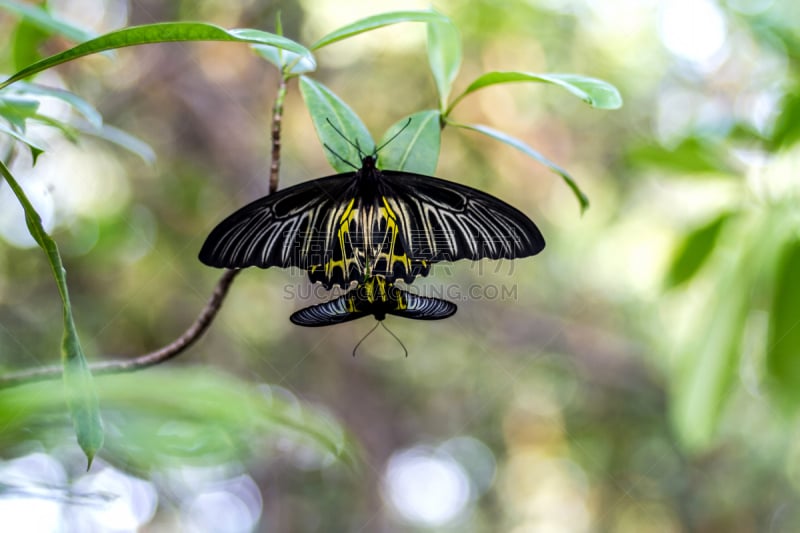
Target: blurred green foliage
{"points": [[640, 372]]}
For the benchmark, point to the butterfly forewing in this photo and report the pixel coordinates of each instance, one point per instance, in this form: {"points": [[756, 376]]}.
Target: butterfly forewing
{"points": [[301, 226], [371, 223], [445, 221]]}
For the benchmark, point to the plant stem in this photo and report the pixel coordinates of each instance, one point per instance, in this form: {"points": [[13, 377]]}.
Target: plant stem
{"points": [[277, 116], [176, 347], [203, 320]]}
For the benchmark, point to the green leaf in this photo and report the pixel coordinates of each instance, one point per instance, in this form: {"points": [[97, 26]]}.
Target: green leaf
{"points": [[123, 139], [693, 155], [35, 148], [285, 61], [378, 21], [262, 38], [25, 43], [583, 200], [76, 102], [67, 130], [289, 63], [444, 57], [783, 340], [416, 147], [81, 395], [16, 108], [158, 33], [329, 114], [596, 93], [710, 362], [277, 56], [167, 418], [786, 130], [693, 251], [45, 21], [707, 355]]}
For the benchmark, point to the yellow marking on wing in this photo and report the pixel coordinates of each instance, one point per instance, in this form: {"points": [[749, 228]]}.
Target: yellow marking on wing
{"points": [[347, 211], [377, 289], [370, 289], [388, 209], [402, 301], [381, 282], [344, 227], [394, 230]]}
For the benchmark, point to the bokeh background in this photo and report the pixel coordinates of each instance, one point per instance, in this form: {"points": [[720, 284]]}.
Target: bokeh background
{"points": [[638, 375]]}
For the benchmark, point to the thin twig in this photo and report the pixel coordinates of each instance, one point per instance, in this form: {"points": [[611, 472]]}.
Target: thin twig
{"points": [[203, 320], [187, 338], [277, 115]]}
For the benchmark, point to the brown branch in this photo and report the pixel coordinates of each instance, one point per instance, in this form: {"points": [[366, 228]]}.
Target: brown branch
{"points": [[203, 320], [189, 337], [277, 115]]}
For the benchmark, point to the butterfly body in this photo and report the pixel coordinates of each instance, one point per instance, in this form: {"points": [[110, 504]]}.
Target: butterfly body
{"points": [[377, 297], [370, 222]]}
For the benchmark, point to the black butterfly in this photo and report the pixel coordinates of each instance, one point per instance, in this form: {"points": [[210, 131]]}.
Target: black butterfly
{"points": [[378, 297], [374, 296], [370, 222]]}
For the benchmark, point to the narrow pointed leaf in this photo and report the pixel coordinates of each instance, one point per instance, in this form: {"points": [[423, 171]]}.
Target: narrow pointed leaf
{"points": [[122, 139], [596, 93], [17, 108], [583, 200], [215, 418], [45, 20], [286, 61], [694, 250], [35, 148], [378, 21], [707, 355], [702, 385], [25, 42], [416, 147], [329, 113], [783, 341], [66, 130], [80, 391], [786, 129], [695, 155], [444, 57], [158, 33], [80, 105]]}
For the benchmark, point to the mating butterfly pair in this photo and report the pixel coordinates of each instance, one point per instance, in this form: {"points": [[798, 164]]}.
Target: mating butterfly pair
{"points": [[372, 227]]}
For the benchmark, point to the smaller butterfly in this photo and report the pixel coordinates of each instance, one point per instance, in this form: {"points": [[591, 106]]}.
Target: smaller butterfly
{"points": [[378, 297], [374, 296]]}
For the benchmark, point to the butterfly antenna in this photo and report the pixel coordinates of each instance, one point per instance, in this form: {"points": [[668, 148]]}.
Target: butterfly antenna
{"points": [[364, 338], [393, 137], [342, 159], [343, 136], [395, 337]]}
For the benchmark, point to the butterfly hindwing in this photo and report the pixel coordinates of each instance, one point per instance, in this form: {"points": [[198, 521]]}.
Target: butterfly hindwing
{"points": [[423, 308], [373, 296], [326, 314]]}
